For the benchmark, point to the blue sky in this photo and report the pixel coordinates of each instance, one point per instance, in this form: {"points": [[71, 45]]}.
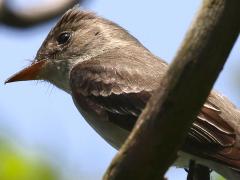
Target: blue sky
{"points": [[41, 117]]}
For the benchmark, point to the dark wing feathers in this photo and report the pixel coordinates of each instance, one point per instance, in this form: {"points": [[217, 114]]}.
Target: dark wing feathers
{"points": [[111, 93], [120, 87], [124, 104], [218, 131], [123, 92]]}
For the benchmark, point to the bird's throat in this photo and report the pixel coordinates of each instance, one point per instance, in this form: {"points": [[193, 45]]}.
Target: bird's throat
{"points": [[58, 73]]}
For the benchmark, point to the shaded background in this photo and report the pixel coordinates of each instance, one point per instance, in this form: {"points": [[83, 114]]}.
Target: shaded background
{"points": [[42, 120]]}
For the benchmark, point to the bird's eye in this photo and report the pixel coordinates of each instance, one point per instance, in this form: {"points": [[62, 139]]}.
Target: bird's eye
{"points": [[63, 37]]}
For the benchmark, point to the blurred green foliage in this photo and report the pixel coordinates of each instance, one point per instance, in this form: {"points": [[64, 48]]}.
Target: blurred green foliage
{"points": [[216, 176], [17, 165]]}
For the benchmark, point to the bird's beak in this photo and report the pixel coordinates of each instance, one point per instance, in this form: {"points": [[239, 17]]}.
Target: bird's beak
{"points": [[31, 72]]}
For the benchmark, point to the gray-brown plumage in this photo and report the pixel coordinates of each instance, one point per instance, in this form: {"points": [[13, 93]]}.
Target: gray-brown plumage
{"points": [[111, 76]]}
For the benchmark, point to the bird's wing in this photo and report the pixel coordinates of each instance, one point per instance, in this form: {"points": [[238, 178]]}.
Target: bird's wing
{"points": [[123, 91], [213, 134], [210, 128], [121, 85]]}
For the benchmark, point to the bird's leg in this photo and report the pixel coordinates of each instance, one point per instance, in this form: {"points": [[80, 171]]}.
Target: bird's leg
{"points": [[190, 170], [197, 171]]}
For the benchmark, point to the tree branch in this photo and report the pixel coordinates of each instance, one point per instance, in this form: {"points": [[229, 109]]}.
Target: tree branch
{"points": [[163, 125], [33, 16]]}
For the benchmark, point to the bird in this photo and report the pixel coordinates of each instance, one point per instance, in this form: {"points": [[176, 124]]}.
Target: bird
{"points": [[111, 76]]}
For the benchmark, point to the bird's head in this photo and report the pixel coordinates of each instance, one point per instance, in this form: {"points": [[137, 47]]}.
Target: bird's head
{"points": [[77, 37]]}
